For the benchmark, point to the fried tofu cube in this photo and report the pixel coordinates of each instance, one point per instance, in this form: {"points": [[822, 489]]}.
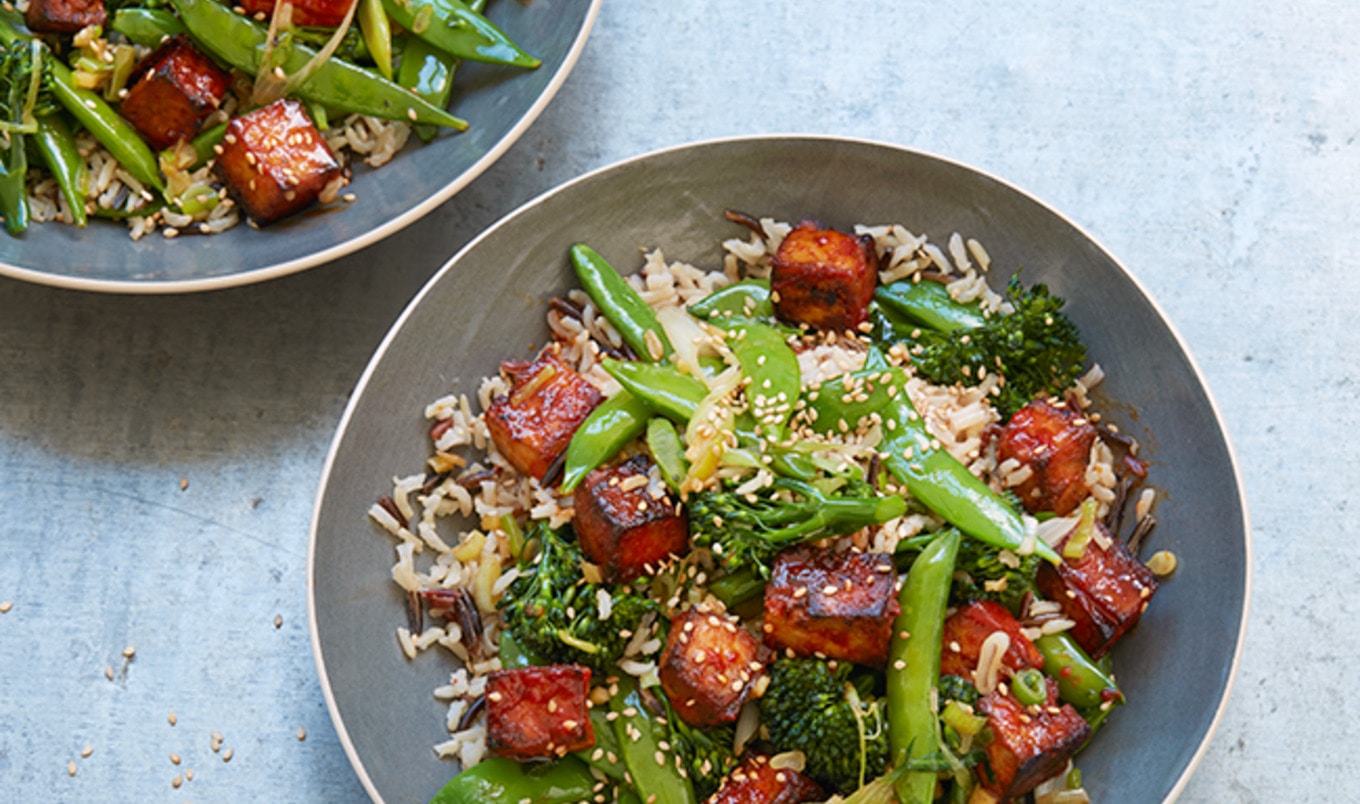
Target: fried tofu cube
{"points": [[755, 782], [172, 90], [306, 13], [621, 526], [64, 16], [966, 629], [538, 712], [1053, 440], [1104, 592], [709, 666], [824, 278], [275, 161], [1029, 744], [532, 425], [832, 605]]}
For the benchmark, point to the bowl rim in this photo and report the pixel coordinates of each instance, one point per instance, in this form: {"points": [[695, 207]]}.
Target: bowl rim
{"points": [[624, 164], [334, 252]]}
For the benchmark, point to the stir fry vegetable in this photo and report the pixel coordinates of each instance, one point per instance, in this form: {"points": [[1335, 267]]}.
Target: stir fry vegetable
{"points": [[793, 564], [156, 83]]}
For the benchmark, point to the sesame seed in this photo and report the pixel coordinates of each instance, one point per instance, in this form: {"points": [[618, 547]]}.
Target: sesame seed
{"points": [[71, 768], [177, 781], [86, 751], [301, 734], [227, 755], [129, 652], [174, 758], [108, 672], [278, 620], [172, 718], [5, 606]]}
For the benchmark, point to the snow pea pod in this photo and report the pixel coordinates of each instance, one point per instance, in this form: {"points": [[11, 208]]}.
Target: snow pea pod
{"points": [[929, 304], [749, 298], [503, 781], [640, 736], [377, 31], [612, 424], [146, 26], [112, 131], [428, 71], [620, 304], [945, 486], [841, 402], [661, 386], [239, 41], [914, 664], [1081, 682], [57, 145], [772, 367], [453, 27]]}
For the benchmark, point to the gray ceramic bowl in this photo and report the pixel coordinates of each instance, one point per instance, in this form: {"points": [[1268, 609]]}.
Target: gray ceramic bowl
{"points": [[487, 304], [499, 102]]}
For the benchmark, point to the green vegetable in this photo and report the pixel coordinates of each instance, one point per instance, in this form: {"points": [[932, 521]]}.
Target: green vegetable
{"points": [[749, 298], [377, 31], [929, 304], [25, 92], [914, 665], [612, 424], [810, 706], [662, 387], [667, 452], [749, 530], [640, 735], [961, 720], [453, 27], [978, 564], [772, 368], [1029, 687], [554, 613], [1081, 682], [57, 145], [620, 304], [146, 26], [838, 404], [1036, 348], [737, 587], [705, 754], [503, 781], [956, 688], [238, 41]]}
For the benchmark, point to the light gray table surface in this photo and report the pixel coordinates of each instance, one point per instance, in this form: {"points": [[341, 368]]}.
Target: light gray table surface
{"points": [[1210, 145]]}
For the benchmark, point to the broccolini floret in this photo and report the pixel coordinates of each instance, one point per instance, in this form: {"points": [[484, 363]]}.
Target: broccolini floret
{"points": [[706, 754], [812, 706], [749, 530], [554, 612], [980, 574], [1036, 349]]}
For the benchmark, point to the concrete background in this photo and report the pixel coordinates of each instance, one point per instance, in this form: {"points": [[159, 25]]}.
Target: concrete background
{"points": [[1210, 145]]}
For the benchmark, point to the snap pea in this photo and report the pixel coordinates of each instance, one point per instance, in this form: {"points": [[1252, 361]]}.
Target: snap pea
{"points": [[377, 31], [428, 72], [662, 387], [620, 304], [112, 131], [945, 486], [772, 368], [612, 424], [914, 664], [57, 145], [503, 781], [238, 41], [1081, 682], [640, 736], [749, 298], [667, 452], [453, 27], [841, 402], [146, 26], [1029, 687], [929, 304]]}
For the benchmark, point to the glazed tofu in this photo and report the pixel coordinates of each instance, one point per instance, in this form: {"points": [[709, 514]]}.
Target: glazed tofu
{"points": [[64, 16], [275, 162], [172, 90], [538, 712], [1053, 440], [709, 666], [622, 526], [1029, 744], [824, 278], [532, 425], [306, 13], [832, 605], [966, 629], [1104, 592], [755, 782]]}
